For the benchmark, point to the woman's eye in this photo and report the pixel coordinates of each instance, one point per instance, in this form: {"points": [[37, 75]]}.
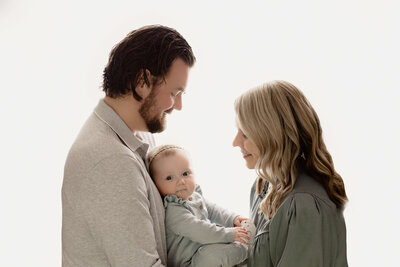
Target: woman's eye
{"points": [[169, 178], [242, 134], [185, 174]]}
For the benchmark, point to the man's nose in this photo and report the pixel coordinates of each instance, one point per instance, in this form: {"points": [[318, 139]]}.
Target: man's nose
{"points": [[178, 102]]}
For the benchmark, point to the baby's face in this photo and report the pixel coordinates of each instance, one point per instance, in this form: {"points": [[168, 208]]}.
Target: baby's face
{"points": [[172, 175]]}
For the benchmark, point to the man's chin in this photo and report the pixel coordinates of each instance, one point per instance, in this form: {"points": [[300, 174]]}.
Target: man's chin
{"points": [[156, 126]]}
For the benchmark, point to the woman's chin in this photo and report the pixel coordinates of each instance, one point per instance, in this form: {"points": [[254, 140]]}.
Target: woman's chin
{"points": [[250, 165]]}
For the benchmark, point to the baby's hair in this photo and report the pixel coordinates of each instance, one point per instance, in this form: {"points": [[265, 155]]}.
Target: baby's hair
{"points": [[165, 150]]}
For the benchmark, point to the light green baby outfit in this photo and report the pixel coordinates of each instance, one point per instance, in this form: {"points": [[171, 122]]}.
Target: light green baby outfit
{"points": [[200, 233]]}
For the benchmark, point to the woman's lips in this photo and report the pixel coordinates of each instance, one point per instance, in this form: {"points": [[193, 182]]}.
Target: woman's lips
{"points": [[246, 155]]}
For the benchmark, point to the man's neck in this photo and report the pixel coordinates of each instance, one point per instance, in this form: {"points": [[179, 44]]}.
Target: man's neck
{"points": [[127, 109]]}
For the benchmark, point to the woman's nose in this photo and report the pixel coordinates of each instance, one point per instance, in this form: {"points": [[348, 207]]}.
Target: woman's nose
{"points": [[236, 140]]}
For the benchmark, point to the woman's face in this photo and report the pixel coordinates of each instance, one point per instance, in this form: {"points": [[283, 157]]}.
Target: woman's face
{"points": [[247, 147]]}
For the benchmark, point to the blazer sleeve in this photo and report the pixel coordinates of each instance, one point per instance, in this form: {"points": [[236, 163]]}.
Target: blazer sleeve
{"points": [[118, 215], [183, 222], [296, 236]]}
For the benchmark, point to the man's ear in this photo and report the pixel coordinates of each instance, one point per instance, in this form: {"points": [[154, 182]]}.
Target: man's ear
{"points": [[142, 89]]}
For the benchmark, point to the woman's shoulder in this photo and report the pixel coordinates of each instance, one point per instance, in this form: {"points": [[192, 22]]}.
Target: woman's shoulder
{"points": [[308, 189], [309, 199]]}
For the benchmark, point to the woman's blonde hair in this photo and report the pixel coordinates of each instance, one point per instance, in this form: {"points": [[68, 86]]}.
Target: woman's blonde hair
{"points": [[281, 122]]}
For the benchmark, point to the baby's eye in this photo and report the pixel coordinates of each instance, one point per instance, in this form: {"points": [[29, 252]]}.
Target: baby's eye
{"points": [[185, 173], [169, 178]]}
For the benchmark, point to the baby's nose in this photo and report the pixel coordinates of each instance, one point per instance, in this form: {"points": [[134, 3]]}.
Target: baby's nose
{"points": [[181, 181]]}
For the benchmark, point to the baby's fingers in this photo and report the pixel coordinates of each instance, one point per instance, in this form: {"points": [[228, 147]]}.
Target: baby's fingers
{"points": [[243, 240], [241, 230], [245, 235], [242, 237]]}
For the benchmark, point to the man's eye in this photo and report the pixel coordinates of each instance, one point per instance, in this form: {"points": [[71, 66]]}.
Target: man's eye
{"points": [[185, 173], [175, 94], [169, 178]]}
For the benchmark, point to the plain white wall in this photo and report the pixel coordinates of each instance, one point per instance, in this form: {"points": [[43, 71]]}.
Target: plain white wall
{"points": [[344, 55]]}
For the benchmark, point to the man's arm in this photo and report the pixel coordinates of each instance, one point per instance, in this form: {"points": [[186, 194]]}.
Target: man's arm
{"points": [[118, 212]]}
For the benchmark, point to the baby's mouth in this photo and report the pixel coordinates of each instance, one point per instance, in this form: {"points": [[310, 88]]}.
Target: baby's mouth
{"points": [[180, 190]]}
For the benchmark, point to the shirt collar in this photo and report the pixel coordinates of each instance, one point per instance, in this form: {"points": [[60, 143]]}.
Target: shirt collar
{"points": [[114, 121]]}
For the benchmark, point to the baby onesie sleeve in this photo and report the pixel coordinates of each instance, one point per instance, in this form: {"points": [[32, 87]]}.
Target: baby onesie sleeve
{"points": [[216, 214], [181, 221]]}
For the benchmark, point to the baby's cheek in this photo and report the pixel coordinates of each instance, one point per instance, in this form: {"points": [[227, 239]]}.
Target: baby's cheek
{"points": [[162, 188], [193, 185]]}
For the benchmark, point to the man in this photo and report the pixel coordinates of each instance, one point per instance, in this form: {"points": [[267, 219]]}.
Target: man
{"points": [[112, 212]]}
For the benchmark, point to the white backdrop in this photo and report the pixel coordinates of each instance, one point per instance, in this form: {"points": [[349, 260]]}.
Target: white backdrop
{"points": [[344, 55]]}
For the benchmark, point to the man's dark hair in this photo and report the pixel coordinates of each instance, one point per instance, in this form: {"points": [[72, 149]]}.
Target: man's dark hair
{"points": [[151, 48]]}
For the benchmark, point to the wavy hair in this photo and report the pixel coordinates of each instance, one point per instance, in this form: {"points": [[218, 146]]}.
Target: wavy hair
{"points": [[281, 122], [152, 48]]}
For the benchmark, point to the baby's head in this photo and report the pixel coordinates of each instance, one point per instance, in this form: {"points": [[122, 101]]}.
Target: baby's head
{"points": [[170, 169]]}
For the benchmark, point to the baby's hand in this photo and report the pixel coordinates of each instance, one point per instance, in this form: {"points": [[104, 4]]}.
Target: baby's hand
{"points": [[240, 235], [238, 220]]}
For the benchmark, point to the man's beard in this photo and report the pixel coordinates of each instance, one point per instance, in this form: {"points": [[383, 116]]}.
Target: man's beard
{"points": [[155, 124]]}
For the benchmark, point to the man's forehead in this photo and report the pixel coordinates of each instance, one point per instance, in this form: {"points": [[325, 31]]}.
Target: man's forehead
{"points": [[179, 72]]}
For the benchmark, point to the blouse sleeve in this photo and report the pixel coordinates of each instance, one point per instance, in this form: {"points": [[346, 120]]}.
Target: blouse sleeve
{"points": [[298, 234]]}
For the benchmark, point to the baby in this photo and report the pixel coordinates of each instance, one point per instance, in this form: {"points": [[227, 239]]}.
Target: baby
{"points": [[199, 233]]}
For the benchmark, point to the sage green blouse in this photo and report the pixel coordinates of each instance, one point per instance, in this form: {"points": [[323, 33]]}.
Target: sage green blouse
{"points": [[306, 231]]}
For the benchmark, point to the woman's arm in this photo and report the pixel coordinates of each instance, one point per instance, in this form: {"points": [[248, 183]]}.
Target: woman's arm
{"points": [[303, 234]]}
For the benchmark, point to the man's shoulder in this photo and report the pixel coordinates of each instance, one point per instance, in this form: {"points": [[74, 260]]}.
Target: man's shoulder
{"points": [[96, 143], [96, 135], [118, 172]]}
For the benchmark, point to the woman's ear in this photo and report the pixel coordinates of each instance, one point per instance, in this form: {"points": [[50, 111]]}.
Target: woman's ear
{"points": [[142, 88]]}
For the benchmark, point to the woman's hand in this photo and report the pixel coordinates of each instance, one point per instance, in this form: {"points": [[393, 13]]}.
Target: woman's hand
{"points": [[240, 235], [238, 220]]}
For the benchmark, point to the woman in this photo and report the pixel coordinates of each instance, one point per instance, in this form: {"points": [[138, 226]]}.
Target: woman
{"points": [[298, 198]]}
